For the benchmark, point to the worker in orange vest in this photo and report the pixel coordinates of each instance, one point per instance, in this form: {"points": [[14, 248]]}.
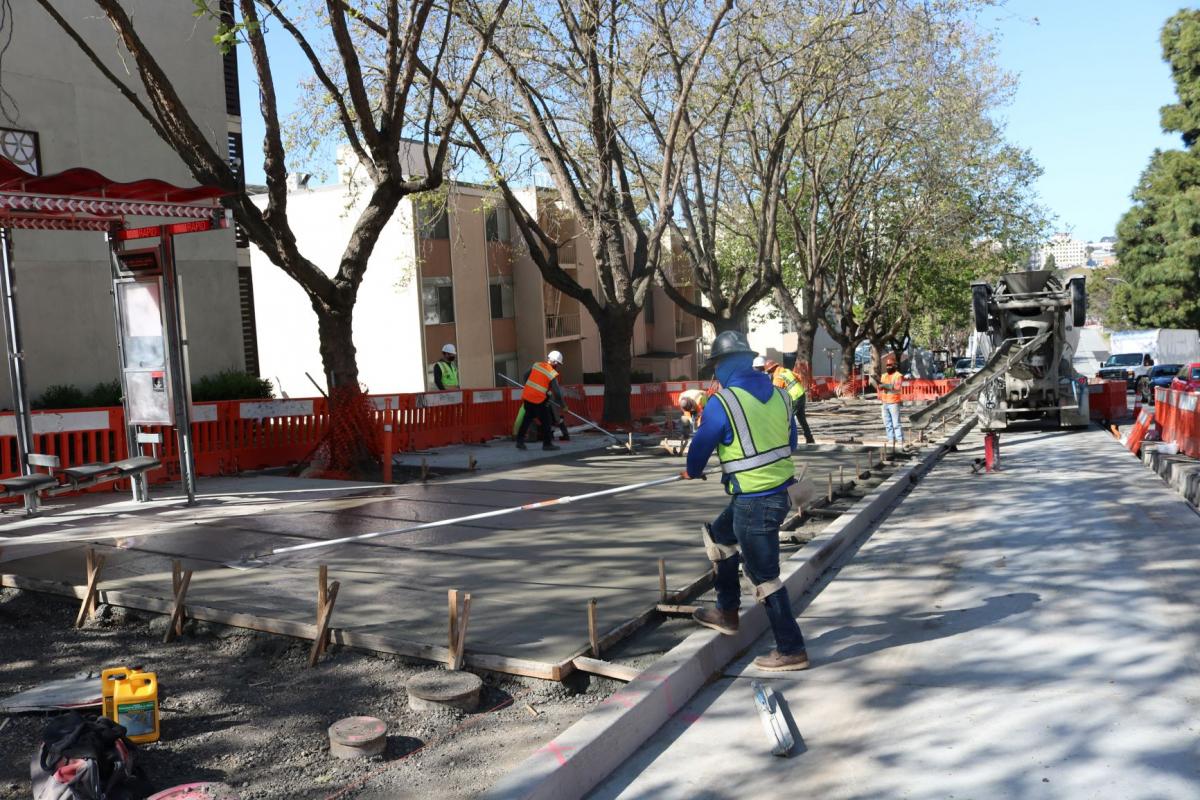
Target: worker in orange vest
{"points": [[784, 378], [539, 387], [691, 403], [888, 388]]}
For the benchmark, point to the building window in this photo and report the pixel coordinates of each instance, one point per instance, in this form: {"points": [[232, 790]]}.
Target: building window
{"points": [[433, 222], [21, 148], [233, 102], [437, 296], [501, 290], [506, 364], [497, 224], [249, 327]]}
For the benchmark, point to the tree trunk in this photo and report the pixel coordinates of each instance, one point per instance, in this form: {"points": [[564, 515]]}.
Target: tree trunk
{"points": [[338, 356], [616, 358], [732, 323]]}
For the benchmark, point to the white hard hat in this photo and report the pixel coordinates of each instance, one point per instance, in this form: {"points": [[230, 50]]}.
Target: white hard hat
{"points": [[555, 357], [449, 348], [759, 361]]}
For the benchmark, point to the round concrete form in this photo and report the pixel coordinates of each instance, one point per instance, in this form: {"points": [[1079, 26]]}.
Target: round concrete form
{"points": [[433, 691], [357, 737]]}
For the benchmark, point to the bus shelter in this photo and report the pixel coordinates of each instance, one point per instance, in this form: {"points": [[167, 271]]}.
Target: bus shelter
{"points": [[147, 300]]}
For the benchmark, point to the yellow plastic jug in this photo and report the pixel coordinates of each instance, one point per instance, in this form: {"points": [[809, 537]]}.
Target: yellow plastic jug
{"points": [[130, 698]]}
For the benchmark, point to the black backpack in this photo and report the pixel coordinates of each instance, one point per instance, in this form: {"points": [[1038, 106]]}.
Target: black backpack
{"points": [[86, 758]]}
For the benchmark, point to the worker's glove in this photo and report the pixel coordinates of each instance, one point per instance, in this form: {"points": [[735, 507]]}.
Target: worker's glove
{"points": [[686, 477]]}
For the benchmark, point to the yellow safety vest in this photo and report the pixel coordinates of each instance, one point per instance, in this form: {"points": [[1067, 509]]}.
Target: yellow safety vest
{"points": [[760, 456], [449, 373], [787, 380]]}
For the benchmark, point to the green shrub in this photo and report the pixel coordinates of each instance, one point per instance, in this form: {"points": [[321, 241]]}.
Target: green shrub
{"points": [[61, 395], [231, 384], [105, 394]]}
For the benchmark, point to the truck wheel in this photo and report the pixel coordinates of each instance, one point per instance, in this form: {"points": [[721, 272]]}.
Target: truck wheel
{"points": [[979, 303], [1078, 303]]}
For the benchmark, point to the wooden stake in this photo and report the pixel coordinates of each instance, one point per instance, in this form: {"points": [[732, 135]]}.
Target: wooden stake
{"points": [[88, 606], [841, 476], [858, 473], [662, 580], [323, 623], [460, 644], [831, 486], [181, 579], [471, 462], [592, 628], [452, 599], [424, 470], [176, 580]]}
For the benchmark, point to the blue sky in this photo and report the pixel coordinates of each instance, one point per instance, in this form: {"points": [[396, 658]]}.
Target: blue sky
{"points": [[1091, 81]]}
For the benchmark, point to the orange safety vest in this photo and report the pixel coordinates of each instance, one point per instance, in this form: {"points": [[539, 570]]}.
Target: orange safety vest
{"points": [[889, 389], [538, 385]]}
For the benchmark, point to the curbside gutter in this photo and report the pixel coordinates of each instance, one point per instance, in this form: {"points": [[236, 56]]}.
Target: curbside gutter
{"points": [[587, 752]]}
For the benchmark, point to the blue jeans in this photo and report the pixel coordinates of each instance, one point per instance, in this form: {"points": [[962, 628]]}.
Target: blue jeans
{"points": [[752, 523], [891, 422]]}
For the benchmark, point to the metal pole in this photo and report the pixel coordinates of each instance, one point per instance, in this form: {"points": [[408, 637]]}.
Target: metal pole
{"points": [[181, 394], [16, 364], [139, 483]]}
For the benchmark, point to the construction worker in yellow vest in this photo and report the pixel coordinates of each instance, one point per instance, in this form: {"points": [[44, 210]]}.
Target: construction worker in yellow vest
{"points": [[445, 370], [541, 385], [784, 378], [750, 425], [888, 389]]}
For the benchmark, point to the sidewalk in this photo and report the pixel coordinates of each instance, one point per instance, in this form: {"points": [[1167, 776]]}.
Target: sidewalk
{"points": [[1027, 634]]}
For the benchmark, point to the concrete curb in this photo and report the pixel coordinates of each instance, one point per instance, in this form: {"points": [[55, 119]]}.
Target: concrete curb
{"points": [[587, 752], [1179, 472]]}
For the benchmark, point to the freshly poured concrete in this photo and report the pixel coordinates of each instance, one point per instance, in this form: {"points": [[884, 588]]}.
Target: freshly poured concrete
{"points": [[530, 573], [1026, 634]]}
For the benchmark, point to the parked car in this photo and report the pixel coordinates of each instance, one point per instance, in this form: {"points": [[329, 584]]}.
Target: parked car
{"points": [[1160, 377], [1188, 378], [964, 368]]}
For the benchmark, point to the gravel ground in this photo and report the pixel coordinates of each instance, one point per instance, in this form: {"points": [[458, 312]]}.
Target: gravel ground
{"points": [[242, 708]]}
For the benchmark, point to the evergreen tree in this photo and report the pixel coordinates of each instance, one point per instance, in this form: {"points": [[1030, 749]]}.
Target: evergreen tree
{"points": [[1158, 239]]}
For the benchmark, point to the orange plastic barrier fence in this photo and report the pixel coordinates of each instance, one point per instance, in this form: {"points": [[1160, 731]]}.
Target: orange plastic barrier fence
{"points": [[1179, 418]]}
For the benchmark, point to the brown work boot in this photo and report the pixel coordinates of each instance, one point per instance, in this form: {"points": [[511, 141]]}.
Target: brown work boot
{"points": [[724, 621], [776, 661]]}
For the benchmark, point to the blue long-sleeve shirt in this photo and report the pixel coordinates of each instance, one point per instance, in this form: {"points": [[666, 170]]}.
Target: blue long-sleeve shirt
{"points": [[715, 427]]}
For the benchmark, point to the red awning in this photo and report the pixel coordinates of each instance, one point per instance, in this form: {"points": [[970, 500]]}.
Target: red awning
{"points": [[83, 199], [83, 182]]}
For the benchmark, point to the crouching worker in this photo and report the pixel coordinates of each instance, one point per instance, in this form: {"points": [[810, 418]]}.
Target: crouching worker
{"points": [[750, 425], [691, 403]]}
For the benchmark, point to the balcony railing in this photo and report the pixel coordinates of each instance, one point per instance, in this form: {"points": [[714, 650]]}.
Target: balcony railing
{"points": [[562, 326]]}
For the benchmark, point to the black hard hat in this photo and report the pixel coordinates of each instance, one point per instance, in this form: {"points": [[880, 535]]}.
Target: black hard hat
{"points": [[727, 343]]}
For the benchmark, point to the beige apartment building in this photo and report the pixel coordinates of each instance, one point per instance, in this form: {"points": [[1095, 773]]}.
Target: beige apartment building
{"points": [[61, 113], [454, 271]]}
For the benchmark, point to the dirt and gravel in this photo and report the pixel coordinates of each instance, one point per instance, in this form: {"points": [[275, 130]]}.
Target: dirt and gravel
{"points": [[242, 708]]}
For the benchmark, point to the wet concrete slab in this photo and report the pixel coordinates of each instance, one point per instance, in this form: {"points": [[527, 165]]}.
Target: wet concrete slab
{"points": [[530, 573]]}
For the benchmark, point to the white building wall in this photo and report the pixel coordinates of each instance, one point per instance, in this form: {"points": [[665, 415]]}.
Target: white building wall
{"points": [[768, 338], [387, 317]]}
